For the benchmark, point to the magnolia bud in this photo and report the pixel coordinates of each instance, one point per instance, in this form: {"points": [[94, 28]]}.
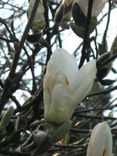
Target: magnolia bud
{"points": [[65, 86], [100, 143], [39, 20]]}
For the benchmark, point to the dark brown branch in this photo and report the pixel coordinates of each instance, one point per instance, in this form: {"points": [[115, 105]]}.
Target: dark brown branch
{"points": [[86, 36], [95, 117], [106, 91], [8, 82], [46, 14], [24, 37], [14, 153]]}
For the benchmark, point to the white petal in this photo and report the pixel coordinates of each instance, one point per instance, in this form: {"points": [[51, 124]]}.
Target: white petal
{"points": [[62, 62], [64, 86], [96, 9], [60, 107], [100, 143], [83, 81]]}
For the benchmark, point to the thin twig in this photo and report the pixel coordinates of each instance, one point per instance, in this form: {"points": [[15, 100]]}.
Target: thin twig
{"points": [[86, 36]]}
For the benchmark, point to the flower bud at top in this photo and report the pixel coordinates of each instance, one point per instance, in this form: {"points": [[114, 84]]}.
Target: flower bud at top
{"points": [[39, 20]]}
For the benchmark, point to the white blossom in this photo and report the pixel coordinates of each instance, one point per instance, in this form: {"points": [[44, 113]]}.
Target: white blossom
{"points": [[100, 143], [65, 86]]}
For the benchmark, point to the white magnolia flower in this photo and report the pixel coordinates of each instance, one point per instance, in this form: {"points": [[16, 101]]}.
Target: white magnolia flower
{"points": [[65, 86], [100, 143], [39, 20], [98, 5]]}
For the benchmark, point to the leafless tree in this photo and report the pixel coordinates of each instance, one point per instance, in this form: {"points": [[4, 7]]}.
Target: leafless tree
{"points": [[24, 55]]}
